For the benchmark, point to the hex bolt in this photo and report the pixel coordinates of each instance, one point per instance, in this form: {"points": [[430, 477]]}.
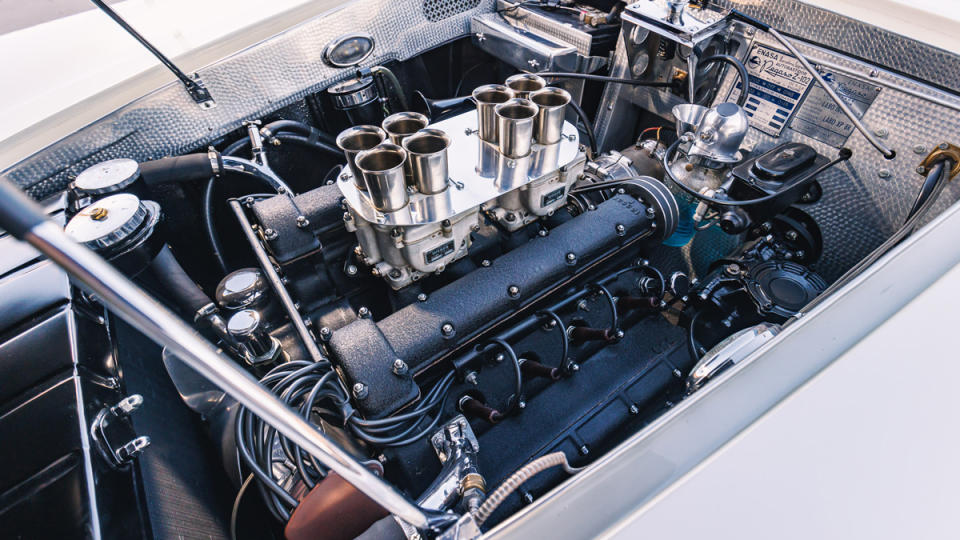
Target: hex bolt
{"points": [[270, 234], [521, 404], [621, 230], [677, 373], [471, 378], [447, 329], [651, 212], [302, 222], [584, 450], [395, 274], [351, 270], [400, 367], [791, 235], [422, 297], [363, 312], [326, 333], [571, 258], [574, 367], [634, 410], [542, 233], [360, 390], [513, 291], [485, 263]]}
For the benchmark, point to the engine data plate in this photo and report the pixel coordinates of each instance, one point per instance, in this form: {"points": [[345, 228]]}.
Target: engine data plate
{"points": [[820, 118], [478, 174], [778, 84]]}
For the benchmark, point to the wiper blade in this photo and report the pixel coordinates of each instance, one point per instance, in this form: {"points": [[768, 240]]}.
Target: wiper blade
{"points": [[193, 85]]}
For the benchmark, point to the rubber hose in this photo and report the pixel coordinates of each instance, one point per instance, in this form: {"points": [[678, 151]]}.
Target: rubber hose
{"points": [[587, 126], [186, 168], [741, 69], [187, 294]]}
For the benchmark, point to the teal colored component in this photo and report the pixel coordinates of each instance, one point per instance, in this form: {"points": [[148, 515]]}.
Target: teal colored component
{"points": [[685, 227]]}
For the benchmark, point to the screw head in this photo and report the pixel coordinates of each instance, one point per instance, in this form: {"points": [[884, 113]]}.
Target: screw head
{"points": [[447, 329], [571, 258], [399, 367], [485, 263], [634, 410], [351, 270], [884, 173], [513, 291], [422, 297], [363, 312], [621, 230], [521, 404], [360, 390], [302, 221], [326, 333], [270, 234], [471, 378]]}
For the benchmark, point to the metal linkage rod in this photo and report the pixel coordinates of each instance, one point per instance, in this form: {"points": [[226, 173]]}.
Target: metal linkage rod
{"points": [[276, 283]]}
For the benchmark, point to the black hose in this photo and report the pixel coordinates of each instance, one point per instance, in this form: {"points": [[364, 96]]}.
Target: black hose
{"points": [[692, 346], [186, 168], [845, 154], [741, 69], [940, 171], [207, 217], [562, 327], [605, 78], [298, 128], [315, 145], [587, 126], [174, 279]]}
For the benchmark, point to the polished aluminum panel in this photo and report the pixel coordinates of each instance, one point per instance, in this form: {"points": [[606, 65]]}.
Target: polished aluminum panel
{"points": [[478, 174]]}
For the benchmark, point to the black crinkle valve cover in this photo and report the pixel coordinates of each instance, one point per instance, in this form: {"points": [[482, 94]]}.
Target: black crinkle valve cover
{"points": [[416, 333]]}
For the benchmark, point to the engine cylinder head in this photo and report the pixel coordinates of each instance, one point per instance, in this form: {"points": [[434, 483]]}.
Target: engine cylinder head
{"points": [[427, 155], [487, 98], [382, 168], [515, 126]]}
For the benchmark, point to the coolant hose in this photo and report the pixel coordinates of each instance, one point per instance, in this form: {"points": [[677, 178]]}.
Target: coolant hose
{"points": [[186, 168], [188, 296]]}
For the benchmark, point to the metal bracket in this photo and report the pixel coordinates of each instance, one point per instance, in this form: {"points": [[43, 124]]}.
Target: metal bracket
{"points": [[114, 437], [940, 153]]}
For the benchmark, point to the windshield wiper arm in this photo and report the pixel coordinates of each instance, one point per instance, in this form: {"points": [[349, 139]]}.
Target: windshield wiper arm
{"points": [[194, 85]]}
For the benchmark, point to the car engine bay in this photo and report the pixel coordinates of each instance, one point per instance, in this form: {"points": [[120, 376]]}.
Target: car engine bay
{"points": [[479, 276]]}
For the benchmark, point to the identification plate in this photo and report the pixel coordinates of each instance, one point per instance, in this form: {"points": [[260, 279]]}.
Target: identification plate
{"points": [[438, 252], [778, 83], [820, 118]]}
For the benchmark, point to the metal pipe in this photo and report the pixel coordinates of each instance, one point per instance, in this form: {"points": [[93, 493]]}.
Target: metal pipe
{"points": [[276, 283], [233, 163], [159, 324], [427, 153], [515, 127], [863, 129]]}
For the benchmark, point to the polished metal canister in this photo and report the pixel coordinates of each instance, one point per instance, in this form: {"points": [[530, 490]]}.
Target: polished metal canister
{"points": [[427, 156], [355, 140], [382, 169], [552, 105], [515, 127], [524, 84], [487, 97]]}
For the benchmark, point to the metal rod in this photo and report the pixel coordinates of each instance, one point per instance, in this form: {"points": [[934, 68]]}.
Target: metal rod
{"points": [[196, 87], [899, 87], [158, 323], [863, 129], [276, 283]]}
